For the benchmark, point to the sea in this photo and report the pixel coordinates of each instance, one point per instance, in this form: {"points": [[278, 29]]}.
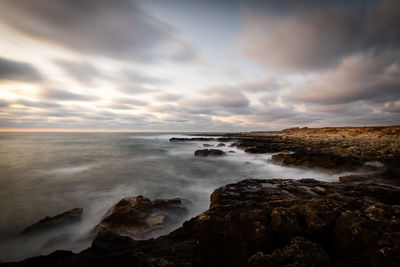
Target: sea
{"points": [[44, 174]]}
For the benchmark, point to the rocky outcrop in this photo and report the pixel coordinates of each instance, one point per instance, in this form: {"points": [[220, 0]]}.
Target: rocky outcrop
{"points": [[184, 139], [209, 152], [221, 145], [265, 223], [137, 216], [317, 160], [48, 222], [206, 139]]}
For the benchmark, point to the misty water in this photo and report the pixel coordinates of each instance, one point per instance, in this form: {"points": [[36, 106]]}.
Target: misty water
{"points": [[44, 174]]}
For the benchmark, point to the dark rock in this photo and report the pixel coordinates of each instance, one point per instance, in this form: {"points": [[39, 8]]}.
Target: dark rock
{"points": [[46, 223], [209, 152], [175, 139], [300, 252], [207, 145], [265, 223], [220, 145], [351, 178], [318, 160], [137, 216], [231, 151]]}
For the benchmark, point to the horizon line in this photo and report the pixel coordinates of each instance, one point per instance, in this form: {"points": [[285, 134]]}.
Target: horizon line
{"points": [[58, 130]]}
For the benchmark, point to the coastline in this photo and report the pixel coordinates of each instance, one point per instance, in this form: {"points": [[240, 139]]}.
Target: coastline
{"points": [[258, 222]]}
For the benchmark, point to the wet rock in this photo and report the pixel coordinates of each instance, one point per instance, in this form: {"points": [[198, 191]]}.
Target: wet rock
{"points": [[318, 160], [207, 145], [300, 252], [138, 216], [231, 151], [176, 139], [352, 178], [274, 222], [209, 152], [48, 222], [221, 145]]}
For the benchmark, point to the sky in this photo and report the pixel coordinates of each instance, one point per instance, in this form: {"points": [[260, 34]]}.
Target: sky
{"points": [[182, 65]]}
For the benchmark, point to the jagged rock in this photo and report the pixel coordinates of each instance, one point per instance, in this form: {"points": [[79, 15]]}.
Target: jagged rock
{"points": [[137, 216], [209, 152], [265, 223], [300, 252], [176, 139], [351, 178], [317, 160], [48, 222]]}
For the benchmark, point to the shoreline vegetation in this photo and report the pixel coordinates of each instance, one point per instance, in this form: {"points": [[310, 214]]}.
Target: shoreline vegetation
{"points": [[275, 222]]}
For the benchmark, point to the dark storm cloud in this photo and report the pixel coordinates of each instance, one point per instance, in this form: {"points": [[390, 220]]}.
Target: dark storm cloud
{"points": [[17, 71], [64, 95], [116, 29], [311, 38]]}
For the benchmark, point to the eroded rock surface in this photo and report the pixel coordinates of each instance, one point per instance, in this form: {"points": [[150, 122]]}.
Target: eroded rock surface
{"points": [[209, 152], [265, 223], [317, 160], [48, 222], [137, 216]]}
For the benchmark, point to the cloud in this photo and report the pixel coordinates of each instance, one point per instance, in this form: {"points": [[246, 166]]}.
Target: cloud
{"points": [[311, 38], [3, 103], [227, 97], [373, 77], [141, 78], [135, 82], [392, 107], [116, 29], [36, 104], [18, 71], [83, 72], [64, 95], [168, 97], [126, 103]]}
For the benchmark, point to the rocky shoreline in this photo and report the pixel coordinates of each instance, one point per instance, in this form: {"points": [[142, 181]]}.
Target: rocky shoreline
{"points": [[264, 223], [276, 222]]}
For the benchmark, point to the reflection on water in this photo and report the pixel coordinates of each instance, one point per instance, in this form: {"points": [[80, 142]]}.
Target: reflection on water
{"points": [[44, 174]]}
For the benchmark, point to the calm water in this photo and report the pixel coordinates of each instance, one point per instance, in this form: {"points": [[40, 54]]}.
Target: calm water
{"points": [[43, 174]]}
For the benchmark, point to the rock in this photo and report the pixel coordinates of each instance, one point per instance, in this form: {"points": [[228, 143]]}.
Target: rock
{"points": [[231, 151], [274, 222], [175, 139], [300, 252], [209, 152], [46, 223], [220, 145], [207, 145], [318, 160], [351, 178], [137, 216]]}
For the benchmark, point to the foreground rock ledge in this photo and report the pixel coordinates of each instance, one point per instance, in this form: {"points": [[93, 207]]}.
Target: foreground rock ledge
{"points": [[265, 223]]}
